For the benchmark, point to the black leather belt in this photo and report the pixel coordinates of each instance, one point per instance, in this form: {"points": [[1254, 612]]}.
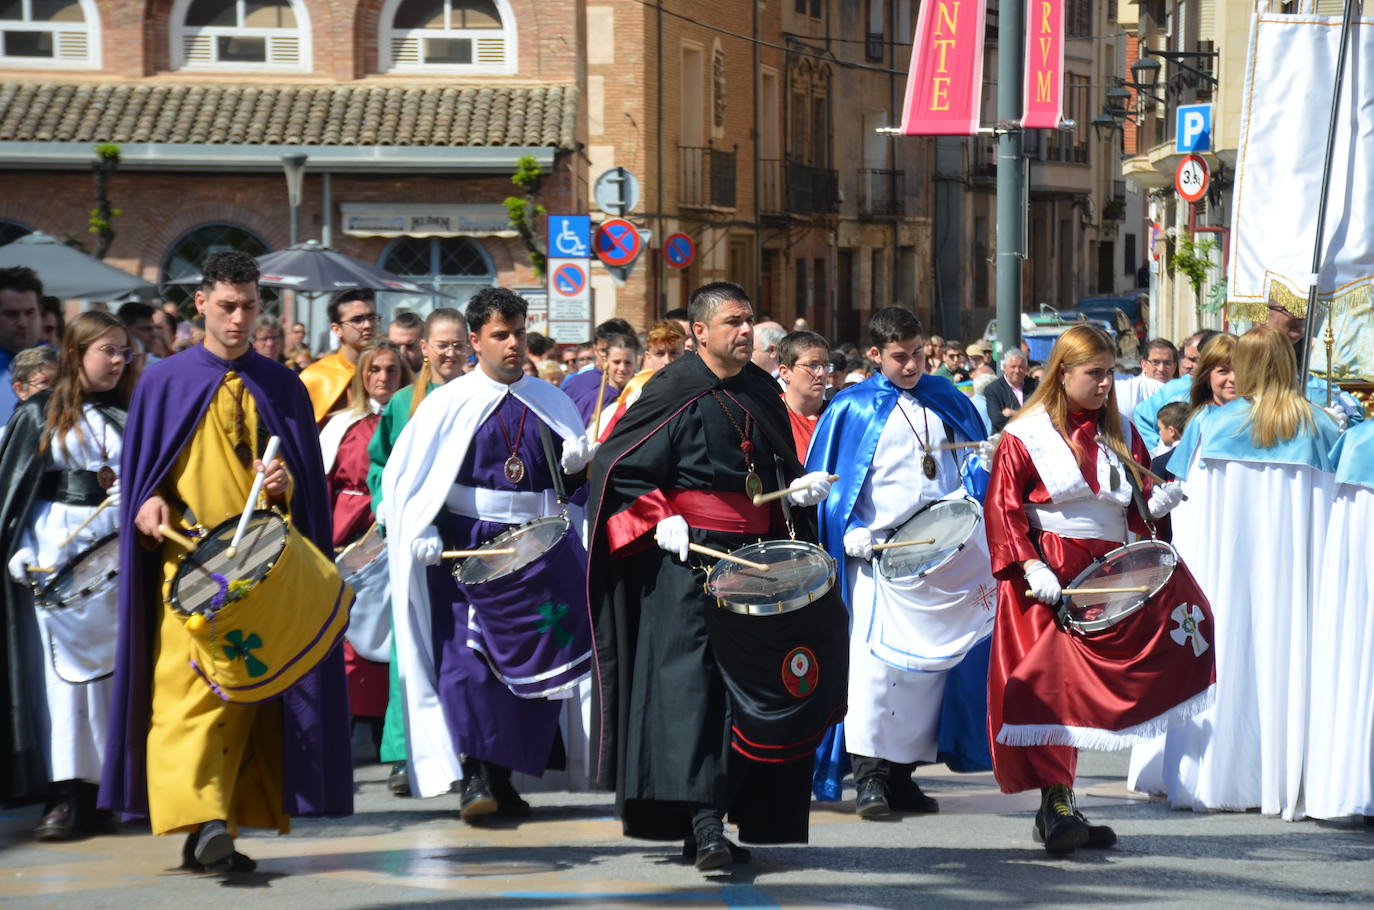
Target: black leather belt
{"points": [[74, 488]]}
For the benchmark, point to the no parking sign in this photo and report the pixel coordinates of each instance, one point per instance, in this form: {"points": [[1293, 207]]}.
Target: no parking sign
{"points": [[679, 250]]}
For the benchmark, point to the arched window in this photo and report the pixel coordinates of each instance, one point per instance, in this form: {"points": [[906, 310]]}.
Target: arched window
{"points": [[439, 36], [49, 34], [11, 231], [257, 35], [455, 265], [185, 256]]}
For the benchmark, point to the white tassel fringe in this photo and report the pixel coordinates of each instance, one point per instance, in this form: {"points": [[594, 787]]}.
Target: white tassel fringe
{"points": [[1106, 740]]}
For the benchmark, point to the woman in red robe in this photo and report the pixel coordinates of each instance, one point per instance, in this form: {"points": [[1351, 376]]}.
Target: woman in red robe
{"points": [[1058, 498], [381, 371]]}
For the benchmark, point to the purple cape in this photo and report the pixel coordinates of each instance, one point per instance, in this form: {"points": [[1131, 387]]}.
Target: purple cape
{"points": [[169, 402]]}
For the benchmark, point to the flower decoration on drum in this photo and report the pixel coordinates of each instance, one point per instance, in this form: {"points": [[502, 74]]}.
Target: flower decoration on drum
{"points": [[239, 646], [801, 672], [1189, 618]]}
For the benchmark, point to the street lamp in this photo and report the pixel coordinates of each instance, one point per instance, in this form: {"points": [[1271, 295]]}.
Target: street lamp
{"points": [[294, 166], [1149, 69], [1146, 72], [1106, 126]]}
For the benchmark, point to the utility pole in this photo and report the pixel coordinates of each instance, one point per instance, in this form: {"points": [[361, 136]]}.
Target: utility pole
{"points": [[1011, 173]]}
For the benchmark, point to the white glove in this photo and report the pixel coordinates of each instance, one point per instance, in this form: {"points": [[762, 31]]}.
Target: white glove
{"points": [[427, 547], [1165, 497], [672, 537], [112, 494], [985, 450], [859, 543], [1044, 584], [578, 452], [1337, 413], [809, 489], [22, 559]]}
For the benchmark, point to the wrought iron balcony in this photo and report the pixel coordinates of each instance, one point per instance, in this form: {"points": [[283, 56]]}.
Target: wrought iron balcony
{"points": [[882, 192], [708, 177]]}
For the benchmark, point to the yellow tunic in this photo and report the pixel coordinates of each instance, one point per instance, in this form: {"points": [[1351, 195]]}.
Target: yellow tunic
{"points": [[327, 382], [208, 759]]}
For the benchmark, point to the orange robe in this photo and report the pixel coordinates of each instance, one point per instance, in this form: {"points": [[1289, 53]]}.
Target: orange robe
{"points": [[327, 380]]}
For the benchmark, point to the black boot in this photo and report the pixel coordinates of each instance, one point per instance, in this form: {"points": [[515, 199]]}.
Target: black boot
{"points": [[904, 794], [713, 851], [477, 800], [508, 802], [870, 778], [1058, 824]]}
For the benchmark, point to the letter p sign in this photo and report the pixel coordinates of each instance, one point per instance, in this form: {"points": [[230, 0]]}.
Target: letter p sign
{"points": [[1193, 131]]}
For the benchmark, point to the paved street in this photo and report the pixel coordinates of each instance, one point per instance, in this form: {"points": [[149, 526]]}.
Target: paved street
{"points": [[977, 852]]}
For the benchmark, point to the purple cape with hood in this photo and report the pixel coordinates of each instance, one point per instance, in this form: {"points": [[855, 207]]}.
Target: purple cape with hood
{"points": [[169, 402]]}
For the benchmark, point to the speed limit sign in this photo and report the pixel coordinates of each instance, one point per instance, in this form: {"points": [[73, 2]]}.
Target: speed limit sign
{"points": [[1190, 180]]}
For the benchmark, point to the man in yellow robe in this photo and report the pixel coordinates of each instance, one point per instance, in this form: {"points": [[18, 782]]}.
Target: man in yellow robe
{"points": [[179, 754], [353, 320]]}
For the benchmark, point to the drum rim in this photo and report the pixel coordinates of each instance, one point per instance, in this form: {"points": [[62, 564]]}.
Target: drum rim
{"points": [[775, 608], [504, 536], [40, 597], [174, 599], [964, 499], [1101, 625]]}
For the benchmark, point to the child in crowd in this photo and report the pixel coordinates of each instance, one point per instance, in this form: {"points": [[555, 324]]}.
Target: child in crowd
{"points": [[1171, 419]]}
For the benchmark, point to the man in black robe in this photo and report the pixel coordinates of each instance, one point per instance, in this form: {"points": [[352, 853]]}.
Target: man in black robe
{"points": [[699, 710]]}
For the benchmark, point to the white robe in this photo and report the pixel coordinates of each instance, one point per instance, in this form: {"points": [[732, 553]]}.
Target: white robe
{"points": [[78, 713], [418, 476]]}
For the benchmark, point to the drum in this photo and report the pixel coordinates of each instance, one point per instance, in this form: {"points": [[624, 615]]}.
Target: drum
{"points": [[528, 609], [781, 639], [363, 565], [933, 602], [263, 619], [797, 574], [1145, 563], [79, 611]]}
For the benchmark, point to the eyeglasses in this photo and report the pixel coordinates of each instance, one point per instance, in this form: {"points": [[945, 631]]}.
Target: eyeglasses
{"points": [[1161, 364], [816, 369], [447, 347], [363, 319], [112, 352]]}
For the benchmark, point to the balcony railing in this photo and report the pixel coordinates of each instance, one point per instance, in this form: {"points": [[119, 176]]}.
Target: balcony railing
{"points": [[708, 177], [786, 188], [881, 192]]}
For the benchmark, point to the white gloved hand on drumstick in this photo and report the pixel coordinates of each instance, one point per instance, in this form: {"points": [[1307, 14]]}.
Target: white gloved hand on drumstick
{"points": [[672, 536], [1165, 497], [112, 494], [1337, 413], [858, 542], [986, 448], [1043, 583], [20, 562], [578, 452], [427, 547], [809, 489]]}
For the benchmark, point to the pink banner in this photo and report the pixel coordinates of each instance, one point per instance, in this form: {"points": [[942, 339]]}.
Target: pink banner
{"points": [[944, 89], [1044, 64]]}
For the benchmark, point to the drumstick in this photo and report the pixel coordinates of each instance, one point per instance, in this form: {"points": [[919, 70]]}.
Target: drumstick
{"points": [[947, 446], [1139, 589], [267, 456], [41, 569], [761, 498], [176, 537], [719, 554], [461, 554], [90, 518], [601, 400], [894, 544]]}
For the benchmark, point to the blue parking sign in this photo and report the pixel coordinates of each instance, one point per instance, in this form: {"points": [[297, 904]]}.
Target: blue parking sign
{"points": [[1193, 129], [570, 236]]}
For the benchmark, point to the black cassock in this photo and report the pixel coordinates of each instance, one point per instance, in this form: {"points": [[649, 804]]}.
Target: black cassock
{"points": [[669, 729]]}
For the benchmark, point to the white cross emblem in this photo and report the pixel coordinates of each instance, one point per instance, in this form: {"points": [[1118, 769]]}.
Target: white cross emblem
{"points": [[1189, 618]]}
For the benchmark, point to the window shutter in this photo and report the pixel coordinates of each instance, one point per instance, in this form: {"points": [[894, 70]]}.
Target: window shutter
{"points": [[73, 45], [491, 52], [285, 49], [198, 49], [405, 50]]}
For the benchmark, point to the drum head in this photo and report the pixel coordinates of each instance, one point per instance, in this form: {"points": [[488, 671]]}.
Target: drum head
{"points": [[362, 551], [797, 574], [948, 521], [94, 571], [530, 541], [1146, 563], [203, 579]]}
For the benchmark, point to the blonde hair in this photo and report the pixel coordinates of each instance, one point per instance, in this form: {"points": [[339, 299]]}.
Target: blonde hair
{"points": [[1217, 352], [443, 315], [1266, 368], [359, 406], [665, 334], [1076, 347]]}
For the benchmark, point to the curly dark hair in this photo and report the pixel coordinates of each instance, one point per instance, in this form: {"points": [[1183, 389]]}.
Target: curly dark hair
{"points": [[230, 267], [20, 278], [490, 302]]}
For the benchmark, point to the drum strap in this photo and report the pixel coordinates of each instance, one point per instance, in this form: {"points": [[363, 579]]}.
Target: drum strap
{"points": [[1139, 498], [560, 489]]}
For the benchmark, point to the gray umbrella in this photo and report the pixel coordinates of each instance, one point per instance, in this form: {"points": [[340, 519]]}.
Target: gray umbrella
{"points": [[67, 273], [313, 269]]}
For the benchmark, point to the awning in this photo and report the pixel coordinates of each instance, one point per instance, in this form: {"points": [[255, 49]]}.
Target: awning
{"points": [[418, 219]]}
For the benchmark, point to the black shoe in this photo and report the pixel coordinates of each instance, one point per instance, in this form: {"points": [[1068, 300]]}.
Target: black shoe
{"points": [[871, 800], [1100, 837], [713, 852], [738, 854], [907, 796], [237, 862], [477, 799], [57, 823], [398, 782], [1058, 825], [509, 803], [214, 846]]}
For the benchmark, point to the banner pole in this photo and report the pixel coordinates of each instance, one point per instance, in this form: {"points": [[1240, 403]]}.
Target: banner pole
{"points": [[1011, 172], [1318, 247]]}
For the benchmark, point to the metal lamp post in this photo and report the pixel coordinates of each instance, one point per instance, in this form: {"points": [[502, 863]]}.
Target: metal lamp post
{"points": [[294, 166]]}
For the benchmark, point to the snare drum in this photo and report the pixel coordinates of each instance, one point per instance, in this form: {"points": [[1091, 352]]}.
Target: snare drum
{"points": [[798, 574], [79, 611], [1145, 563], [363, 565], [950, 522], [528, 609], [262, 620]]}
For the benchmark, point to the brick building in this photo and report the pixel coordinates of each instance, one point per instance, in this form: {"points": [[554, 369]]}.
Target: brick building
{"points": [[412, 115]]}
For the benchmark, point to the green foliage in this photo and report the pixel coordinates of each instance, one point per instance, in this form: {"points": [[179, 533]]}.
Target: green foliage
{"points": [[522, 211], [1192, 259], [101, 221]]}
